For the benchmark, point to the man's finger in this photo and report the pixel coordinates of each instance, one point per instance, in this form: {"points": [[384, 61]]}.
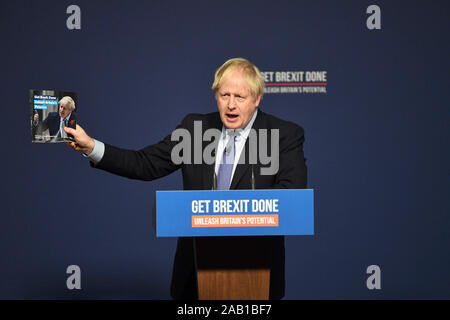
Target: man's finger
{"points": [[69, 130], [70, 144]]}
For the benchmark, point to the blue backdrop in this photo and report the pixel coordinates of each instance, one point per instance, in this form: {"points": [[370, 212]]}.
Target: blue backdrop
{"points": [[376, 143]]}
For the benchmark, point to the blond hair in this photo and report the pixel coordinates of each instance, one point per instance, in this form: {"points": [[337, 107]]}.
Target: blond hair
{"points": [[252, 74], [67, 101]]}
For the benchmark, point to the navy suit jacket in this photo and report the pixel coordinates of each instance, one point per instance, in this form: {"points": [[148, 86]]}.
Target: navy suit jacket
{"points": [[154, 161], [52, 122]]}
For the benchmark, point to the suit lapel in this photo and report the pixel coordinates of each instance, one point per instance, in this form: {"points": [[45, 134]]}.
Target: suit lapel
{"points": [[208, 169]]}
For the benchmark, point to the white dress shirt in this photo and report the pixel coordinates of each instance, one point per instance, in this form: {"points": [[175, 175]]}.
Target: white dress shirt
{"points": [[239, 144]]}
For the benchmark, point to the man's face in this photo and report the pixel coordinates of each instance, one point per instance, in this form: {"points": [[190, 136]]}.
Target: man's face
{"points": [[235, 101], [64, 110]]}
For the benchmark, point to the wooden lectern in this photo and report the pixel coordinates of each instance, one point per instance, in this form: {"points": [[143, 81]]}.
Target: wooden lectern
{"points": [[234, 261], [232, 268]]}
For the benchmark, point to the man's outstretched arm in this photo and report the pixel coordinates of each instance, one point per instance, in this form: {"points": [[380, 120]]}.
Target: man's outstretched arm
{"points": [[149, 163]]}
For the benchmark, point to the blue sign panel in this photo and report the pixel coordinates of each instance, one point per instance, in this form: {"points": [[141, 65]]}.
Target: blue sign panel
{"points": [[234, 213]]}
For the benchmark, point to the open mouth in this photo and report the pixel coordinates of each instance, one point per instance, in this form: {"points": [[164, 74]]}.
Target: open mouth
{"points": [[232, 116]]}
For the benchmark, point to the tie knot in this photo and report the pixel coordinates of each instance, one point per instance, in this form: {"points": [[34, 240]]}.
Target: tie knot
{"points": [[233, 133]]}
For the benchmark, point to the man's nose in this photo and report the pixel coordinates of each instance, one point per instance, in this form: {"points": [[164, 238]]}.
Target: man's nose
{"points": [[232, 103]]}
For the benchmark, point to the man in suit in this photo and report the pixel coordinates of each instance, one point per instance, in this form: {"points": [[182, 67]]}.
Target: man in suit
{"points": [[56, 121], [238, 88]]}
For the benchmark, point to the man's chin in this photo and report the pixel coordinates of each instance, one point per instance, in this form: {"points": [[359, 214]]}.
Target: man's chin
{"points": [[232, 125], [237, 124]]}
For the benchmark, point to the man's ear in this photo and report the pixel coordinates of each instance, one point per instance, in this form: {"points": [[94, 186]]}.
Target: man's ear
{"points": [[258, 100]]}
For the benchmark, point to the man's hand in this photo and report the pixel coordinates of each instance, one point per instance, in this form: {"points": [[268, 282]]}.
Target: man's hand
{"points": [[83, 142]]}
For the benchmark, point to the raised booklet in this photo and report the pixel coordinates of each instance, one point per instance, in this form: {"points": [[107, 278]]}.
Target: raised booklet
{"points": [[50, 112], [234, 212]]}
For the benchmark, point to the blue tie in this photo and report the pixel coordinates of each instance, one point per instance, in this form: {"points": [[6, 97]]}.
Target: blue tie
{"points": [[226, 166]]}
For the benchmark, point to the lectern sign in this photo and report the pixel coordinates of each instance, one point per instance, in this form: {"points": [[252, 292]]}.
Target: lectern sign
{"points": [[234, 213]]}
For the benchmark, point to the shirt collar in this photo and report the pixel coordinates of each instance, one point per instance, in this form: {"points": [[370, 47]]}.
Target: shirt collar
{"points": [[66, 118]]}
